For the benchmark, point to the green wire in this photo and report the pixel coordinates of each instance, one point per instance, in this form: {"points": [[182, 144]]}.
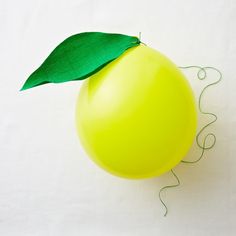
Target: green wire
{"points": [[201, 75], [203, 146], [166, 187]]}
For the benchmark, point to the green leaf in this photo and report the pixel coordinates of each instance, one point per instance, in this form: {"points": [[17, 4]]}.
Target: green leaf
{"points": [[80, 56]]}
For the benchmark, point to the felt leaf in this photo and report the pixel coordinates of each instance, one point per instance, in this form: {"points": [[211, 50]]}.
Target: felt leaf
{"points": [[80, 56]]}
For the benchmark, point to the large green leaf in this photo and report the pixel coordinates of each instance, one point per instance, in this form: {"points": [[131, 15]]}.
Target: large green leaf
{"points": [[80, 56]]}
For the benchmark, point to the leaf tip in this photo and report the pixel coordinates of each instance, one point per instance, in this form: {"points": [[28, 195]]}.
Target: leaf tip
{"points": [[25, 86]]}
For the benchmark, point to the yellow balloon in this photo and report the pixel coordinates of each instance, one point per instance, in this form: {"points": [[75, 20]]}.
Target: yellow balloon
{"points": [[137, 118]]}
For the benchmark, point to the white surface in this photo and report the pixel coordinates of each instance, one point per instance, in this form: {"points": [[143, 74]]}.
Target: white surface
{"points": [[48, 186]]}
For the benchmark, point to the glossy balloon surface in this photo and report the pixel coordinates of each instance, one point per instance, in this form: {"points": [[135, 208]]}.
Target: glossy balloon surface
{"points": [[136, 118]]}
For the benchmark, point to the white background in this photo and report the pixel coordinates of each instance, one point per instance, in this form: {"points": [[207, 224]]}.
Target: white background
{"points": [[48, 185]]}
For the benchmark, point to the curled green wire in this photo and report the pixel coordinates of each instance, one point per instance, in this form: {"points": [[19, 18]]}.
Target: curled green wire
{"points": [[203, 146], [201, 75], [166, 187]]}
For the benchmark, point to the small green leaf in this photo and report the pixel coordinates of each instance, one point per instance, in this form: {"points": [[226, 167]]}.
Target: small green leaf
{"points": [[80, 56]]}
